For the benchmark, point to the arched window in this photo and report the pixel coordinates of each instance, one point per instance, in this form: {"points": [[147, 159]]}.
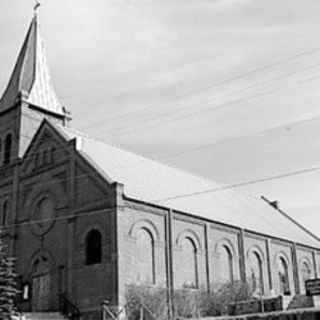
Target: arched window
{"points": [[7, 149], [305, 272], [226, 265], [283, 276], [93, 247], [4, 213], [189, 264], [256, 273], [145, 266]]}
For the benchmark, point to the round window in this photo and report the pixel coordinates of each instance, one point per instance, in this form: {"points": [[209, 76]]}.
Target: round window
{"points": [[43, 216]]}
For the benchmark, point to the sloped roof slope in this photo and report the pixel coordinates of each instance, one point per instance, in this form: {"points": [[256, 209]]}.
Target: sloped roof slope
{"points": [[31, 77], [153, 182]]}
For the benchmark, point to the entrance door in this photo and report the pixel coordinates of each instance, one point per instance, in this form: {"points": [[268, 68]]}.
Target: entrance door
{"points": [[43, 289], [41, 285]]}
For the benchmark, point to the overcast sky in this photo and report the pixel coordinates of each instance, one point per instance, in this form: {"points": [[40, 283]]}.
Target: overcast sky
{"points": [[175, 79]]}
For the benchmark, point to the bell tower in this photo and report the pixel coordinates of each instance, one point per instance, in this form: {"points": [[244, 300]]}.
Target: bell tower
{"points": [[28, 98]]}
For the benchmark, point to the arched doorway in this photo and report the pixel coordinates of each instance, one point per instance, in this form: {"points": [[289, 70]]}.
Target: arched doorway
{"points": [[42, 283]]}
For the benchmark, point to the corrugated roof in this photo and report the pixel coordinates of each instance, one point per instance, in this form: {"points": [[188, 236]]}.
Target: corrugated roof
{"points": [[31, 76], [153, 182]]}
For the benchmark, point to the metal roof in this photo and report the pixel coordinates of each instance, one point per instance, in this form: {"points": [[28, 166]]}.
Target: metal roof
{"points": [[31, 77], [153, 182]]}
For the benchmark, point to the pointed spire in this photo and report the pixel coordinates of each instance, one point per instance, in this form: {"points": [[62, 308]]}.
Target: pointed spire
{"points": [[31, 79]]}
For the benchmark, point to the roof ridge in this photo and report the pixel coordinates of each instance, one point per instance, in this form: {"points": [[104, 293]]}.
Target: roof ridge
{"points": [[290, 218]]}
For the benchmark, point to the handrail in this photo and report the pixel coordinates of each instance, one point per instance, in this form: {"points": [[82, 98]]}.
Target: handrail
{"points": [[68, 308], [108, 313]]}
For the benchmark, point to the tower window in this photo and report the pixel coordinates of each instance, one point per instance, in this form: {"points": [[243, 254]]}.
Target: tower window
{"points": [[93, 247], [7, 149]]}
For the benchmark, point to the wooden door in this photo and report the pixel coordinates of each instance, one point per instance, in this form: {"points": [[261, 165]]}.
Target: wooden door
{"points": [[41, 287]]}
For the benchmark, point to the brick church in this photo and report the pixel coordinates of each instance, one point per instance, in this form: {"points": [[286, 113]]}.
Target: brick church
{"points": [[86, 218]]}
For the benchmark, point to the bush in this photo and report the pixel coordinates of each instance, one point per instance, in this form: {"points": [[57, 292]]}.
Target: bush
{"points": [[188, 303], [229, 295], [152, 299]]}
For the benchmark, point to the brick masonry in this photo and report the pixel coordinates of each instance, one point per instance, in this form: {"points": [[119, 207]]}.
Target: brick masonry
{"points": [[84, 200]]}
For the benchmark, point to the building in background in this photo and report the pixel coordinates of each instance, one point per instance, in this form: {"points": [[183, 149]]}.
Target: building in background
{"points": [[87, 218]]}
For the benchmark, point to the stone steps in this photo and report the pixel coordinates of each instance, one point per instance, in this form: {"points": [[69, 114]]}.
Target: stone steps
{"points": [[43, 316]]}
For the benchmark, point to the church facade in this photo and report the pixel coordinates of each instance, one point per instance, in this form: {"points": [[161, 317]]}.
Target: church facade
{"points": [[85, 219]]}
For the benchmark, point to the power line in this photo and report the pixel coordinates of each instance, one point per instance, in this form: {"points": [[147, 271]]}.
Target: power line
{"points": [[178, 118], [210, 109], [239, 138], [189, 115], [213, 190], [215, 98], [214, 85], [241, 184], [215, 143]]}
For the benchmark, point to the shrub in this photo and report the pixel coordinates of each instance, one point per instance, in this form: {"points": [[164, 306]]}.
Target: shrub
{"points": [[187, 303], [152, 299]]}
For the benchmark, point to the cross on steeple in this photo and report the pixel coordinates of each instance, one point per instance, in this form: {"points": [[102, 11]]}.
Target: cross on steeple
{"points": [[36, 6]]}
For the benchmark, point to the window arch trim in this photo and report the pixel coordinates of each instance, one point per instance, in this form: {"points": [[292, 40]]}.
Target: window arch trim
{"points": [[283, 255], [307, 261], [225, 242], [92, 226], [192, 236], [41, 252], [146, 224], [256, 249]]}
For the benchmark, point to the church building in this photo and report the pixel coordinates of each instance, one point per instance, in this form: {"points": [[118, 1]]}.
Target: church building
{"points": [[86, 218]]}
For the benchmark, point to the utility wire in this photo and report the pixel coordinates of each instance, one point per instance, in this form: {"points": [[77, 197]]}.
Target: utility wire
{"points": [[241, 184], [213, 99], [213, 190], [214, 85], [230, 140], [209, 109], [215, 143], [180, 118]]}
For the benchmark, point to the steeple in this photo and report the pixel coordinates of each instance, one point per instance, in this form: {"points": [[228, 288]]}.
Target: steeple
{"points": [[30, 80], [28, 98]]}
